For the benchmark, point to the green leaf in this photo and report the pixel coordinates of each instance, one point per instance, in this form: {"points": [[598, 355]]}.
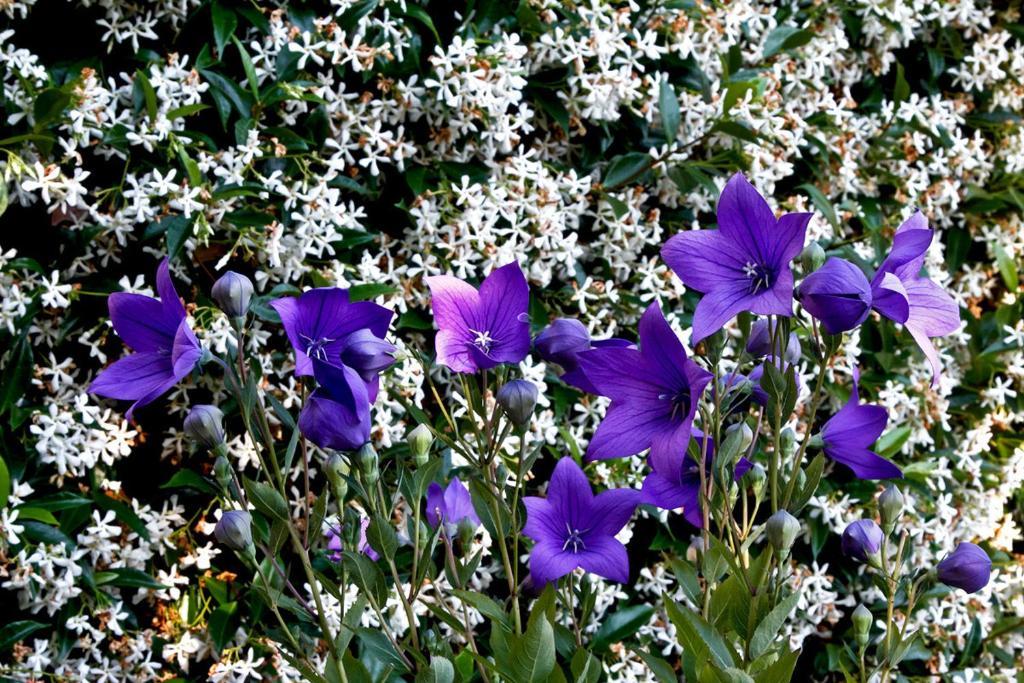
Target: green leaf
{"points": [[126, 577], [49, 105], [820, 202], [221, 624], [186, 110], [148, 94], [367, 574], [440, 671], [662, 670], [622, 624], [5, 483], [267, 499], [764, 634], [626, 168], [382, 537], [485, 605], [380, 648], [187, 479], [781, 671], [698, 637], [668, 105], [533, 655], [785, 38], [247, 66], [585, 667], [224, 24], [16, 631], [813, 473], [1007, 268], [38, 514], [892, 441], [901, 91], [736, 130]]}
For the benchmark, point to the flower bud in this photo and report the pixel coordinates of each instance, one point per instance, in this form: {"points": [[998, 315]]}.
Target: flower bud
{"points": [[967, 568], [222, 470], [368, 463], [787, 439], [204, 426], [562, 340], [518, 398], [812, 257], [420, 440], [862, 625], [862, 541], [367, 354], [755, 479], [782, 529], [333, 470], [759, 343], [746, 434], [234, 530], [838, 295], [890, 508], [233, 291]]}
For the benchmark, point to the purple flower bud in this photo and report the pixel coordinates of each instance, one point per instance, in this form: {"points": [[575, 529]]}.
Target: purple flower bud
{"points": [[367, 354], [561, 341], [234, 529], [518, 398], [759, 343], [838, 294], [233, 291], [334, 545], [967, 568], [203, 425], [862, 540]]}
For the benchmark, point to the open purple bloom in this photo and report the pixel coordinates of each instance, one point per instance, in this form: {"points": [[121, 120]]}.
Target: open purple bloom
{"points": [[654, 392], [848, 436], [320, 321], [742, 266], [451, 505], [902, 295], [477, 330], [967, 568], [166, 349], [674, 482], [837, 294], [862, 539], [574, 528], [563, 340]]}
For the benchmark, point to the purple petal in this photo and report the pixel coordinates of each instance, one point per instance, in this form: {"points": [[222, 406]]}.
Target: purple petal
{"points": [[570, 495], [933, 312], [173, 308], [141, 323], [186, 351], [661, 349], [837, 294], [288, 310], [134, 376], [605, 557], [342, 384], [865, 464], [542, 521], [668, 447], [626, 430], [455, 305], [435, 504], [620, 373], [889, 297], [746, 221], [548, 562], [504, 303], [909, 246], [788, 239], [717, 308], [613, 508], [672, 495], [459, 504], [855, 425], [703, 259], [775, 301], [330, 424]]}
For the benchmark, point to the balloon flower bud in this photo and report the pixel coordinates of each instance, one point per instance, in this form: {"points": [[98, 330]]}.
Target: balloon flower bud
{"points": [[890, 508], [759, 343], [812, 257], [233, 291], [204, 426], [967, 568], [222, 470], [787, 440], [518, 398], [838, 295], [333, 470], [755, 479], [420, 440], [862, 541], [782, 529], [368, 463], [562, 340], [234, 530], [746, 434], [367, 354], [862, 625]]}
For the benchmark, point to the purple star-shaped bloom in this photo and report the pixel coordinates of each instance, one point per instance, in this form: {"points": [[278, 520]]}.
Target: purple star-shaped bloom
{"points": [[654, 392], [451, 505], [848, 436], [165, 347], [327, 331], [563, 340], [478, 330], [902, 295], [742, 266], [574, 528]]}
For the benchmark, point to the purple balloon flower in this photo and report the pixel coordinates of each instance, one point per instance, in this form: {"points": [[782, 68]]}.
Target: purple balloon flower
{"points": [[166, 349], [902, 295], [479, 330], [574, 528], [742, 266], [848, 436], [759, 344], [862, 539], [451, 505], [563, 340], [654, 392], [967, 568], [334, 542], [327, 331], [837, 294]]}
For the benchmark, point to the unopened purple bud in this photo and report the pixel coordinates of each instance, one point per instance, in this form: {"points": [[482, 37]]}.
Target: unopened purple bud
{"points": [[838, 294], [562, 340], [367, 353], [759, 343], [204, 425], [967, 568], [862, 540], [518, 398], [233, 291], [234, 529]]}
